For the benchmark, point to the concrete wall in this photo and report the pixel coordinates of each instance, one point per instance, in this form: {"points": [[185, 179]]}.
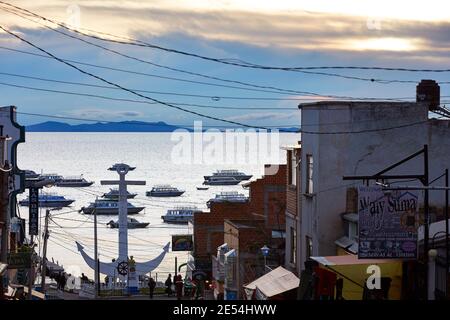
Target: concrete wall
{"points": [[363, 153]]}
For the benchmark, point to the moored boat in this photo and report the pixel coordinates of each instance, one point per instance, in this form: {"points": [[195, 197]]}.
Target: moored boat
{"points": [[132, 224], [113, 194], [230, 196], [180, 215], [202, 188], [221, 181], [74, 182], [109, 207], [229, 173], [49, 201], [164, 191]]}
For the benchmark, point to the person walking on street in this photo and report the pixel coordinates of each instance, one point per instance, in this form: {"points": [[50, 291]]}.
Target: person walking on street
{"points": [[168, 285], [179, 286], [151, 287]]}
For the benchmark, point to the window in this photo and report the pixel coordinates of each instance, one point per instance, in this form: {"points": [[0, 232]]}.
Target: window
{"points": [[309, 174], [309, 247], [293, 169], [293, 245]]}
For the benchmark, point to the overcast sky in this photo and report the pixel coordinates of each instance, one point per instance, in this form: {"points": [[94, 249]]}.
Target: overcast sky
{"points": [[282, 33]]}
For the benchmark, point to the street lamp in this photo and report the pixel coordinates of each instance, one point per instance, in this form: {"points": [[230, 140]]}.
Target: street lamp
{"points": [[265, 252]]}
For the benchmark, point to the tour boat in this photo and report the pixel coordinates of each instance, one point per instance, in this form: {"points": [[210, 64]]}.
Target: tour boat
{"points": [[108, 207], [61, 181], [132, 224], [180, 214], [164, 191], [113, 194], [229, 173], [202, 188], [221, 181], [49, 201], [230, 196]]}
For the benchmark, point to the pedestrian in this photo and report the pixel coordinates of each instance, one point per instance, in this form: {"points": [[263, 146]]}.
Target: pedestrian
{"points": [[151, 287], [168, 285], [179, 286]]}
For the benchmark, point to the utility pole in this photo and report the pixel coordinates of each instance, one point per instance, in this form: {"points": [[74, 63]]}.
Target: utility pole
{"points": [[176, 266], [4, 213], [44, 252], [96, 271], [426, 226]]}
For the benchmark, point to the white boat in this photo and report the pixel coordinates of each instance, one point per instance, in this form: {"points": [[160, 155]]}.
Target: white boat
{"points": [[180, 215], [132, 224], [49, 201], [229, 173], [221, 181], [108, 207], [164, 191], [60, 181], [113, 194], [229, 196]]}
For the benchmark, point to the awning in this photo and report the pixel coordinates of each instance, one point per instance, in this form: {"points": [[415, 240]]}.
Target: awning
{"points": [[355, 272], [274, 283]]}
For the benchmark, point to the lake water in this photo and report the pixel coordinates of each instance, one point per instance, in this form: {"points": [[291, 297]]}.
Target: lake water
{"points": [[160, 158]]}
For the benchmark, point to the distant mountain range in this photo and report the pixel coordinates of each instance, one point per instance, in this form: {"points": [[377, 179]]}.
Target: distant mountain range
{"points": [[124, 126]]}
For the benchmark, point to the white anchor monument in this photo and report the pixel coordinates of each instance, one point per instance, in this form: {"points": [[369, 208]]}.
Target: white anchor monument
{"points": [[122, 265]]}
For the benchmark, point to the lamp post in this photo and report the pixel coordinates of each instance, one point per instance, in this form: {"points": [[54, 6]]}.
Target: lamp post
{"points": [[265, 252]]}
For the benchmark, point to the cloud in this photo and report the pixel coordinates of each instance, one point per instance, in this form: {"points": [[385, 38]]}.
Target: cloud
{"points": [[104, 114], [344, 27]]}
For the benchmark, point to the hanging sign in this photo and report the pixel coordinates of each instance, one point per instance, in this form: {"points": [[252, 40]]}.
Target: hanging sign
{"points": [[388, 223]]}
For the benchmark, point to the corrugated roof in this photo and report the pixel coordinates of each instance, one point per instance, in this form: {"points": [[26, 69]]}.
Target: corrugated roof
{"points": [[275, 282]]}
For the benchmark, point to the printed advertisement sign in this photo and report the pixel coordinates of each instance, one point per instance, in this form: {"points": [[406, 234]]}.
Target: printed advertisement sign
{"points": [[388, 223]]}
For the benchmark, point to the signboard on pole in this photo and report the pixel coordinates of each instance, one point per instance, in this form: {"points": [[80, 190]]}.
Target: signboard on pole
{"points": [[182, 242], [19, 260], [388, 223], [33, 223]]}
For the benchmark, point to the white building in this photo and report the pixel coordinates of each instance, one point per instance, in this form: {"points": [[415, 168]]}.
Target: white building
{"points": [[359, 138]]}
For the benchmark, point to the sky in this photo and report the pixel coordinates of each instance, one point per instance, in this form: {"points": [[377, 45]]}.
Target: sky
{"points": [[405, 34]]}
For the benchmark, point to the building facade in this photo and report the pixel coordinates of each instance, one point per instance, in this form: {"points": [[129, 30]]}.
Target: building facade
{"points": [[359, 138]]}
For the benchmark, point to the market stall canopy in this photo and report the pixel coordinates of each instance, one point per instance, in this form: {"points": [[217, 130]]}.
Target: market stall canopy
{"points": [[274, 283], [355, 272]]}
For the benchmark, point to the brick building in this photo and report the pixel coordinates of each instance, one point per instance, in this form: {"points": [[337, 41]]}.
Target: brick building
{"points": [[293, 190], [263, 217]]}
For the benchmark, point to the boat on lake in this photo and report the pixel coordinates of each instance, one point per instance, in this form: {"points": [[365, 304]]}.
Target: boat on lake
{"points": [[180, 215], [49, 201], [202, 188], [229, 196], [108, 207], [113, 194], [229, 173], [132, 224], [221, 181], [60, 181], [164, 191]]}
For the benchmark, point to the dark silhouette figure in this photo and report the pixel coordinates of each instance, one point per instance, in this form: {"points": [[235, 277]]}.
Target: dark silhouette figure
{"points": [[179, 286], [168, 285], [151, 287]]}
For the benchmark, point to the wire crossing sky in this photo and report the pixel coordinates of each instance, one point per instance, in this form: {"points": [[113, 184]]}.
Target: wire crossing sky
{"points": [[230, 57]]}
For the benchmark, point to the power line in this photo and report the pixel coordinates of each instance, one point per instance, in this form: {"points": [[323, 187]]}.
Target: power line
{"points": [[233, 62], [215, 98], [278, 90], [129, 90]]}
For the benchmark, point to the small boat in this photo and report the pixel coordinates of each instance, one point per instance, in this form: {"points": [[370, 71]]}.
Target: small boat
{"points": [[230, 173], [132, 224], [108, 207], [49, 201], [113, 194], [180, 215], [221, 181], [202, 188], [51, 176], [164, 191], [230, 196], [73, 182]]}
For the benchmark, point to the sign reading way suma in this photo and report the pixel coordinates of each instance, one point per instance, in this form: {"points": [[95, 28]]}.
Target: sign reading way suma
{"points": [[388, 223]]}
